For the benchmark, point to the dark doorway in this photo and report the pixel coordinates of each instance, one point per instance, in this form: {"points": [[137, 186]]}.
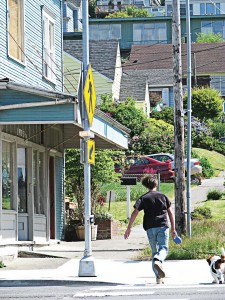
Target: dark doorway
{"points": [[52, 196]]}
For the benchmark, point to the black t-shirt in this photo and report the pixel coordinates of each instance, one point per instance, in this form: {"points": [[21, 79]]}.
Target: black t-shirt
{"points": [[155, 205]]}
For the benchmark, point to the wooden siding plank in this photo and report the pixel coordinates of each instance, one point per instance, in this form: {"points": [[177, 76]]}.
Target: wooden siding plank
{"points": [[60, 113], [31, 72]]}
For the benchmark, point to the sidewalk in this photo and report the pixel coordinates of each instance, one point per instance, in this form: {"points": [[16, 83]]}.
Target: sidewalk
{"points": [[114, 259]]}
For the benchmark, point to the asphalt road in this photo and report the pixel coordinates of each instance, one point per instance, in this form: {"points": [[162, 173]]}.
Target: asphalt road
{"points": [[118, 292]]}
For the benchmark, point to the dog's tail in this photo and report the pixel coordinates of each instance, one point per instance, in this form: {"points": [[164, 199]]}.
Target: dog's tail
{"points": [[209, 260]]}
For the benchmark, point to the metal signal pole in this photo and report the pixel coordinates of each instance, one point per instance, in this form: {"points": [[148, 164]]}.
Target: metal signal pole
{"points": [[178, 122], [86, 266]]}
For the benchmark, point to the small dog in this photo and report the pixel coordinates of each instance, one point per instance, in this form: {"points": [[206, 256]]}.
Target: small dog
{"points": [[216, 265]]}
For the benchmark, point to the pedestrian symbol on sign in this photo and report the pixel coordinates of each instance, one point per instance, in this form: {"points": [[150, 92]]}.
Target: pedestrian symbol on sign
{"points": [[90, 95], [91, 151]]}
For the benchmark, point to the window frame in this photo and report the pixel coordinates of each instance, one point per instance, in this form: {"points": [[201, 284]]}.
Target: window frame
{"points": [[159, 29], [47, 49], [10, 177], [23, 56]]}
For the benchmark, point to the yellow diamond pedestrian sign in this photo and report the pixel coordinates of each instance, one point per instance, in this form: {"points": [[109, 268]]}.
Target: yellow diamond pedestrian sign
{"points": [[91, 151], [90, 95]]}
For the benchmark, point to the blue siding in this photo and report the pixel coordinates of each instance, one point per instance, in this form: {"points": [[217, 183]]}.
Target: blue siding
{"points": [[60, 205], [31, 72], [64, 112], [171, 97]]}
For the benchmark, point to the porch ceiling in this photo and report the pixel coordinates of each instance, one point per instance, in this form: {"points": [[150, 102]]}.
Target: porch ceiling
{"points": [[72, 139]]}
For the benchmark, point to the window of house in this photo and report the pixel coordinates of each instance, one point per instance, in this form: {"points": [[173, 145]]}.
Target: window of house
{"points": [[153, 32], [215, 27], [48, 47], [38, 182], [182, 9], [7, 184], [105, 32], [210, 8], [16, 29]]}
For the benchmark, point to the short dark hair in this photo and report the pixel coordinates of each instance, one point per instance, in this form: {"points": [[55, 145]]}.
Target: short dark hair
{"points": [[149, 182]]}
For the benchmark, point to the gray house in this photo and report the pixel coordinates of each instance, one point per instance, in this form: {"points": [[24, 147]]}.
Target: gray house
{"points": [[154, 63], [105, 60]]}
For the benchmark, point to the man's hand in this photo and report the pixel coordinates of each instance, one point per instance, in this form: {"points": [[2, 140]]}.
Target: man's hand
{"points": [[127, 233], [173, 233]]}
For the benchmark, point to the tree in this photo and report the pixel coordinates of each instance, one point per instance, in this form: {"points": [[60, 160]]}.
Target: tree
{"points": [[210, 37], [158, 136], [166, 114], [126, 113], [130, 12], [206, 103], [101, 172]]}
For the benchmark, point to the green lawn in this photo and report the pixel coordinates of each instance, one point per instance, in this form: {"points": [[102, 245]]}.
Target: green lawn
{"points": [[217, 208], [216, 159]]}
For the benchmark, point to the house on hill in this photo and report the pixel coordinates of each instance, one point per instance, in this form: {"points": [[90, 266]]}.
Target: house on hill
{"points": [[208, 67], [105, 60]]}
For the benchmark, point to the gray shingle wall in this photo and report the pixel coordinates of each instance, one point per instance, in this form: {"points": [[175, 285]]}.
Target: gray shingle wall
{"points": [[102, 54], [134, 82]]}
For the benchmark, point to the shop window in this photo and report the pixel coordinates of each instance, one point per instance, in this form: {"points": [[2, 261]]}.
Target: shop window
{"points": [[38, 182], [48, 47], [7, 195], [16, 29], [22, 179]]}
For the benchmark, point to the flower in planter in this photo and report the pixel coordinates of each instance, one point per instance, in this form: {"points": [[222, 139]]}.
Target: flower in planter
{"points": [[101, 212]]}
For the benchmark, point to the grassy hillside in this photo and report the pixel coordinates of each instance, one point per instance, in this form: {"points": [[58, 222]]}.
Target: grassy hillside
{"points": [[217, 160]]}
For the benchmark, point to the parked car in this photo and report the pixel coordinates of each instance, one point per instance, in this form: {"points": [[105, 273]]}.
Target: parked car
{"points": [[196, 168], [146, 165]]}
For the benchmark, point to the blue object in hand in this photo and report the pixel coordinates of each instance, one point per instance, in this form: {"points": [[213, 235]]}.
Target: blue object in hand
{"points": [[177, 240]]}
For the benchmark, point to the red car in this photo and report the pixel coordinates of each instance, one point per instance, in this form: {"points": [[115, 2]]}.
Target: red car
{"points": [[146, 165]]}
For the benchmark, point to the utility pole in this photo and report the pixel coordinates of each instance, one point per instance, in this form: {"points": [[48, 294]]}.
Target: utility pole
{"points": [[189, 118], [178, 122]]}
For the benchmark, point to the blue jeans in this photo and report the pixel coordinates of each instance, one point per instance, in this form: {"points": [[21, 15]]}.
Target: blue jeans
{"points": [[159, 240]]}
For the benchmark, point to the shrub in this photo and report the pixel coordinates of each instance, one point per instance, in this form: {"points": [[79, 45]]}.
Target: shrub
{"points": [[157, 137], [206, 103], [201, 213], [207, 169], [214, 195], [167, 115]]}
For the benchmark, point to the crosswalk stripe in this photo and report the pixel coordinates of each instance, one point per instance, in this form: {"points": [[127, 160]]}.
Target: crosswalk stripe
{"points": [[104, 294], [121, 287]]}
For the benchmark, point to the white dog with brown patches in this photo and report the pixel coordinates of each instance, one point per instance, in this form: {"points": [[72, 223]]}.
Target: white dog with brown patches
{"points": [[216, 265]]}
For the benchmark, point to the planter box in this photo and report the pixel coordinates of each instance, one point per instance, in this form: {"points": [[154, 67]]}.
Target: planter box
{"points": [[107, 229], [80, 232]]}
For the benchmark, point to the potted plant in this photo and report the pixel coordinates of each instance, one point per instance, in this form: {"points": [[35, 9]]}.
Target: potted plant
{"points": [[107, 226], [101, 172]]}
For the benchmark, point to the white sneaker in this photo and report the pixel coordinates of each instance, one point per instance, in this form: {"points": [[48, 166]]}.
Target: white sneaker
{"points": [[159, 281], [159, 269]]}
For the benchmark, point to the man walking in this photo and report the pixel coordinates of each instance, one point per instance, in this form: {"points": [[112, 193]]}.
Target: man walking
{"points": [[156, 207]]}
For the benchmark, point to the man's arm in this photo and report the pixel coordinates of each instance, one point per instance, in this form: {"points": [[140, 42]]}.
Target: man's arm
{"points": [[132, 218], [172, 222]]}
